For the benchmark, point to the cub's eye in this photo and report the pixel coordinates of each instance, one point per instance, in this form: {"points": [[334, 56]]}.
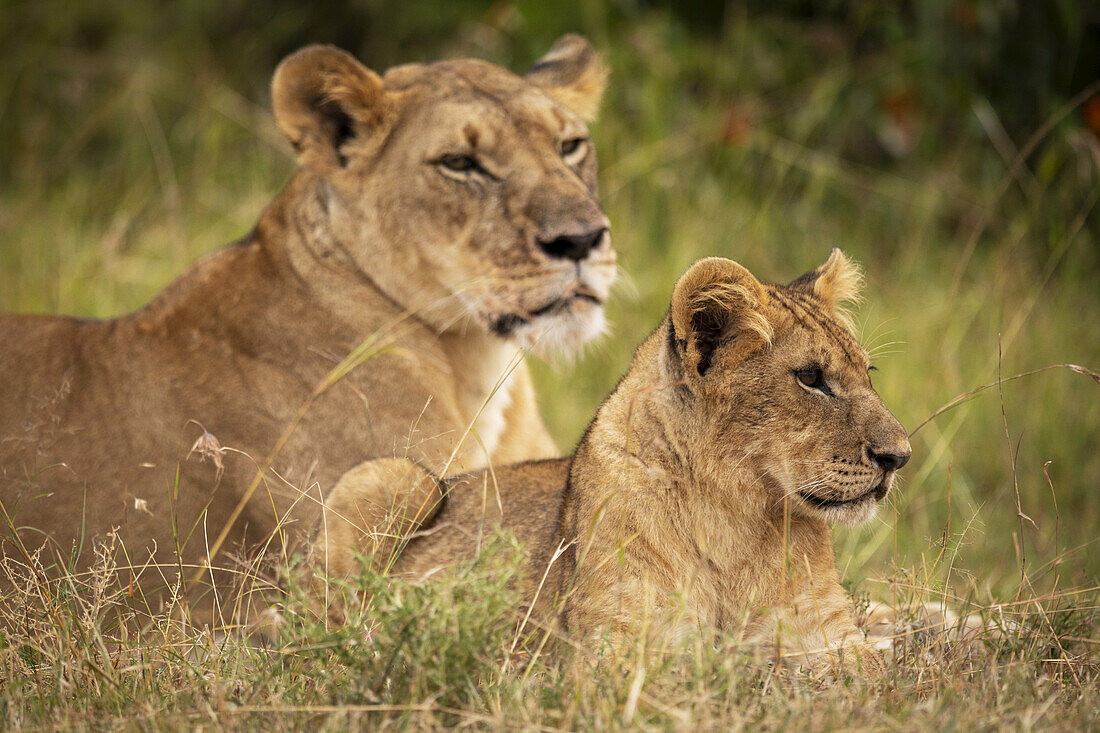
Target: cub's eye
{"points": [[460, 163], [812, 378], [574, 150]]}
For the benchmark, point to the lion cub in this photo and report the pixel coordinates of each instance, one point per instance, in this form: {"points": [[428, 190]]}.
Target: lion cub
{"points": [[702, 492]]}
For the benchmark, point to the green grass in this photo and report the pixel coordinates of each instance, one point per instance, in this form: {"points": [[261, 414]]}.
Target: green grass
{"points": [[128, 154]]}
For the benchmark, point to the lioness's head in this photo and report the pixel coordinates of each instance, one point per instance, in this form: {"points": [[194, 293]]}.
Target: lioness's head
{"points": [[771, 379], [465, 191]]}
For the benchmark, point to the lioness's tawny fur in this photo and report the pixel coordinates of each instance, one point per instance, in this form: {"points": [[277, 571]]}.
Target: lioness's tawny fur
{"points": [[449, 209], [702, 492]]}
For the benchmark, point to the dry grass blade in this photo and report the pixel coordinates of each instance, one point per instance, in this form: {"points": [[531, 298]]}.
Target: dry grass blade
{"points": [[964, 396]]}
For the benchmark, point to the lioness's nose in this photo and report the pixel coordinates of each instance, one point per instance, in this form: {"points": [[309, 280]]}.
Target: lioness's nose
{"points": [[572, 246], [891, 459]]}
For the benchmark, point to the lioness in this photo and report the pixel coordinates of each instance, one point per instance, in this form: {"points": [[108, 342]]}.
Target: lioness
{"points": [[702, 491], [447, 210]]}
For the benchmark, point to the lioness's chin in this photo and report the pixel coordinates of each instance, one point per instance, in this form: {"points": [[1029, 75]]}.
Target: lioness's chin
{"points": [[565, 330]]}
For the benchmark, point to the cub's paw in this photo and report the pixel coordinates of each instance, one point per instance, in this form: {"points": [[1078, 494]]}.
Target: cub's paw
{"points": [[373, 507]]}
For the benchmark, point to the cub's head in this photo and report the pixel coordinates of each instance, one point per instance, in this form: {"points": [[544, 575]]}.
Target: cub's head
{"points": [[771, 380], [466, 192]]}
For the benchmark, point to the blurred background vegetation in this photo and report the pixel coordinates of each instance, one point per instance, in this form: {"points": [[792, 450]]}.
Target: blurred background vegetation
{"points": [[949, 145]]}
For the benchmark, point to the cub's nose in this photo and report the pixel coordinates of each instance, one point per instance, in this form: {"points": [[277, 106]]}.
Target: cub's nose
{"points": [[572, 246], [891, 459]]}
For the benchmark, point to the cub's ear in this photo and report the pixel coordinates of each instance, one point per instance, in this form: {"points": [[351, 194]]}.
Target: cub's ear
{"points": [[716, 305], [322, 97], [571, 74], [835, 283]]}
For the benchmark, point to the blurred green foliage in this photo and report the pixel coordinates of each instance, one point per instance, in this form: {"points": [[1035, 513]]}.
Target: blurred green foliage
{"points": [[134, 137]]}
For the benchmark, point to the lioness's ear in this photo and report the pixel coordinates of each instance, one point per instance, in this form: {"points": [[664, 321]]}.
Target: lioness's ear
{"points": [[717, 301], [572, 74], [835, 283], [322, 97]]}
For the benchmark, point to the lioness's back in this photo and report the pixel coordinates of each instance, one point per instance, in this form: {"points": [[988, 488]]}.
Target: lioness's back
{"points": [[40, 362]]}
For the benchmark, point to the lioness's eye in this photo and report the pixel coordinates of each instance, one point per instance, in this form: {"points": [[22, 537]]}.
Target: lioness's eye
{"points": [[459, 163], [570, 146], [812, 378], [573, 150]]}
